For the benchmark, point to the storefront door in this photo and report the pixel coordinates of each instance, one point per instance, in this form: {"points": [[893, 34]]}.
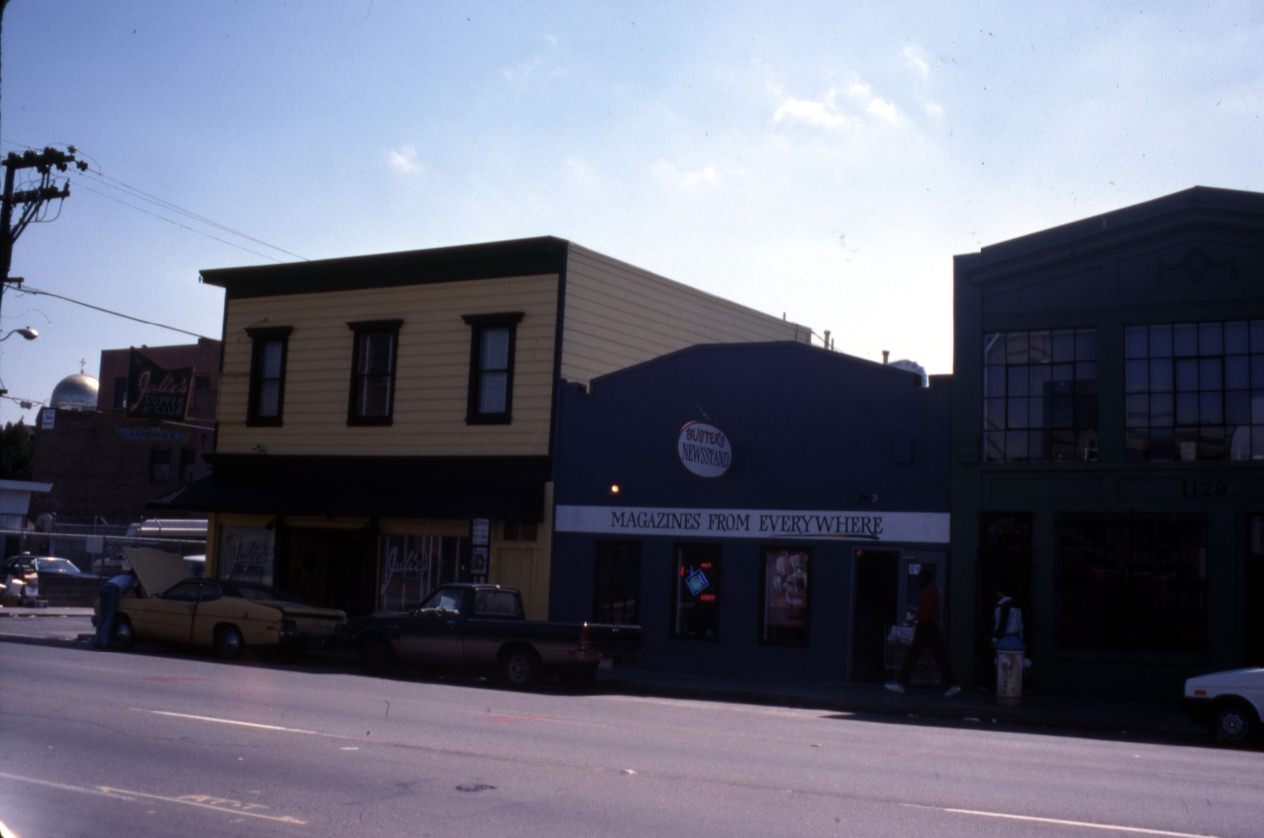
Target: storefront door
{"points": [[877, 594], [327, 567]]}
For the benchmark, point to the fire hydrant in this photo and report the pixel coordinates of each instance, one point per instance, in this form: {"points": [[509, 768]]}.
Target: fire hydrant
{"points": [[1009, 676]]}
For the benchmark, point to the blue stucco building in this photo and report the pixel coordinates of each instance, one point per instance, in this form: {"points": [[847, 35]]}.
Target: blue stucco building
{"points": [[753, 506]]}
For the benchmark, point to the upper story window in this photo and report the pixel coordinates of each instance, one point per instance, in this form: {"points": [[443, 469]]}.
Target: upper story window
{"points": [[1195, 391], [202, 402], [267, 375], [373, 364], [1040, 396], [160, 465], [491, 367], [120, 393]]}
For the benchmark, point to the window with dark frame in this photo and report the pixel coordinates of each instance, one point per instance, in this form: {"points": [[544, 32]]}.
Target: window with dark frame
{"points": [[120, 393], [1040, 396], [1194, 391], [202, 393], [696, 601], [784, 616], [160, 465], [617, 583], [188, 460], [373, 363], [267, 375], [492, 342]]}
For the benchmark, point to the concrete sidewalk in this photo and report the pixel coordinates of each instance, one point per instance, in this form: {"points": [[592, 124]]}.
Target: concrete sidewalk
{"points": [[1160, 720]]}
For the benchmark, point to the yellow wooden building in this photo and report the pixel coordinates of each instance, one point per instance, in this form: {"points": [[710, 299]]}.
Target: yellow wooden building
{"points": [[387, 422]]}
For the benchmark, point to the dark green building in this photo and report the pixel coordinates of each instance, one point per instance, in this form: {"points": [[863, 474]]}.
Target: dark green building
{"points": [[1108, 444]]}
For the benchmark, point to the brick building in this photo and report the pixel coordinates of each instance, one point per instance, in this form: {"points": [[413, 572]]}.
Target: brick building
{"points": [[106, 466]]}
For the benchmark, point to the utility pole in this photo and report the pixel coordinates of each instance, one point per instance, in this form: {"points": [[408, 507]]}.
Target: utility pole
{"points": [[47, 164]]}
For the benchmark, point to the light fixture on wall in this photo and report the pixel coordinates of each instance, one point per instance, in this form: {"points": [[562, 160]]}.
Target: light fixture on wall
{"points": [[614, 489]]}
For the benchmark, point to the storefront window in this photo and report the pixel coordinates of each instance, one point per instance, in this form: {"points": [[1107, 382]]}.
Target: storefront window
{"points": [[246, 554], [412, 566], [784, 617], [1131, 582], [695, 612], [617, 583]]}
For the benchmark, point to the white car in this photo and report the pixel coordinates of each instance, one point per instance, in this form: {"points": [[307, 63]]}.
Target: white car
{"points": [[1231, 702]]}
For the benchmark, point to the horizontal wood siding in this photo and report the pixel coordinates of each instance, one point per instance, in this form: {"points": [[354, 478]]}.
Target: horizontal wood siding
{"points": [[432, 377], [618, 315]]}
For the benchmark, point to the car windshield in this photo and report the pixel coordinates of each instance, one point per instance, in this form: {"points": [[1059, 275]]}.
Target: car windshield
{"points": [[446, 600], [55, 566]]}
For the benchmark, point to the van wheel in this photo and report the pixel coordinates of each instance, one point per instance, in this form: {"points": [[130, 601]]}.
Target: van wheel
{"points": [[377, 657], [121, 636], [520, 667], [229, 643], [1235, 723]]}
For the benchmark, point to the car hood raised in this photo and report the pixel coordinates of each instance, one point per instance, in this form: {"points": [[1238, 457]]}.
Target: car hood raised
{"points": [[157, 570]]}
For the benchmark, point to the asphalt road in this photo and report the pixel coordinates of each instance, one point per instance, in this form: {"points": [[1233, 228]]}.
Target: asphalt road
{"points": [[104, 743]]}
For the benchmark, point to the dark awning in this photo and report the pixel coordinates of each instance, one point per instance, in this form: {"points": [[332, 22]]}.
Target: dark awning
{"points": [[502, 488]]}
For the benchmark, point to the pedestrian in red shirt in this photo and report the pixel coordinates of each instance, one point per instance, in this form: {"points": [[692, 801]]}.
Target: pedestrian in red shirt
{"points": [[926, 635]]}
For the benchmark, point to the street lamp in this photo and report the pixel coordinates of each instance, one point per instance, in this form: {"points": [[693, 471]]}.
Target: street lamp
{"points": [[26, 332]]}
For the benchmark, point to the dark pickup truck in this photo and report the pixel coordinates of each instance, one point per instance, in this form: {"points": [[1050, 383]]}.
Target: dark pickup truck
{"points": [[481, 628]]}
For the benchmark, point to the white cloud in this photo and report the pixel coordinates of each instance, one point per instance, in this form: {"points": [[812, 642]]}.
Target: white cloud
{"points": [[404, 160], [917, 61], [933, 108], [881, 108], [859, 90], [822, 114], [671, 175], [827, 113]]}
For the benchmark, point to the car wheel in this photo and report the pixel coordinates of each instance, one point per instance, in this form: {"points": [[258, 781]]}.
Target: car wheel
{"points": [[520, 667], [377, 656], [229, 643], [121, 635], [1235, 722]]}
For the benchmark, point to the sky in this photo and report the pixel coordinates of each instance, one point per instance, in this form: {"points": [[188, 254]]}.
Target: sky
{"points": [[821, 161]]}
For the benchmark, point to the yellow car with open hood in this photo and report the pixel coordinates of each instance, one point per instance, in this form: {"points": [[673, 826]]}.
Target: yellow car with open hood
{"points": [[224, 614]]}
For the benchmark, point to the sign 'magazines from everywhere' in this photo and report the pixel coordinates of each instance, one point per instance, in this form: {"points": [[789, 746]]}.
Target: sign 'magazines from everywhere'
{"points": [[704, 449], [764, 524]]}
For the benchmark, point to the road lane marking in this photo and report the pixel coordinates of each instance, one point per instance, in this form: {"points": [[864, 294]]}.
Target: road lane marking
{"points": [[50, 784], [1137, 830], [201, 801], [235, 722]]}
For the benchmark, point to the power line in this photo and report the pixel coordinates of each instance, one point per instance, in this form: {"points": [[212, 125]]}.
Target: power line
{"points": [[26, 289], [178, 224], [115, 183], [109, 182]]}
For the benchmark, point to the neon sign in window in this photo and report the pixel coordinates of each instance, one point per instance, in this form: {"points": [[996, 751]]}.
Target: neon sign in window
{"points": [[696, 606]]}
